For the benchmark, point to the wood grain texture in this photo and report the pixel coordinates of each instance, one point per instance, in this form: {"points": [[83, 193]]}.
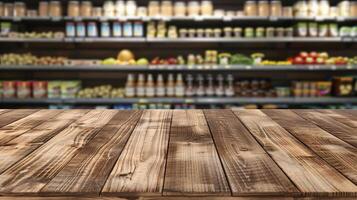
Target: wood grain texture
{"points": [[13, 115], [140, 167], [87, 172], [340, 130], [311, 174], [24, 144], [335, 151], [25, 124], [342, 116], [193, 166], [32, 173], [2, 111], [249, 169]]}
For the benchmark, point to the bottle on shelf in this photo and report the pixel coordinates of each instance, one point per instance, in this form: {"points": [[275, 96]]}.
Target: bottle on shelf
{"points": [[160, 86], [190, 91], [170, 87], [150, 86], [180, 86], [140, 86], [220, 86], [210, 87], [229, 90], [200, 91], [130, 86]]}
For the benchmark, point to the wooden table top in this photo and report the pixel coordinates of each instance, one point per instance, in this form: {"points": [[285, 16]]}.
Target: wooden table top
{"points": [[159, 154]]}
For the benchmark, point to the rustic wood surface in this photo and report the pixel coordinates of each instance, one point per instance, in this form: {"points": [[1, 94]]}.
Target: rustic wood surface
{"points": [[181, 154]]}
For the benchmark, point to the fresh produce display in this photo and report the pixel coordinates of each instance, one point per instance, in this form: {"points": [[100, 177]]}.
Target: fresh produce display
{"points": [[305, 58], [103, 91], [8, 31], [29, 59], [119, 8]]}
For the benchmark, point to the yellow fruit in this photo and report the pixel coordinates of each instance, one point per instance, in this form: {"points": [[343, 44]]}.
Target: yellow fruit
{"points": [[125, 55]]}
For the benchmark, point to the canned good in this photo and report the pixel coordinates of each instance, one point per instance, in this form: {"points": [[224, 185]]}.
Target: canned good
{"points": [[23, 89], [128, 29], [105, 29], [117, 29], [9, 89], [138, 29], [92, 29], [81, 29], [70, 29], [39, 89]]}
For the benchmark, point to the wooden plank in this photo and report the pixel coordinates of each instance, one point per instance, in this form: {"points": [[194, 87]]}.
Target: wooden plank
{"points": [[157, 198], [342, 116], [336, 152], [25, 124], [32, 173], [312, 175], [2, 111], [140, 167], [24, 144], [13, 115], [87, 172], [249, 169], [330, 125], [193, 166]]}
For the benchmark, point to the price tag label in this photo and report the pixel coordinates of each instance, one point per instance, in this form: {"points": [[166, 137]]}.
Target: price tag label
{"points": [[143, 101], [189, 101], [56, 19], [340, 19], [333, 67], [319, 18], [248, 67], [16, 19], [78, 19], [273, 18]]}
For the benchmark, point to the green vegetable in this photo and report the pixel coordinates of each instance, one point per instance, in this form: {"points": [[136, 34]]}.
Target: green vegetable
{"points": [[239, 59]]}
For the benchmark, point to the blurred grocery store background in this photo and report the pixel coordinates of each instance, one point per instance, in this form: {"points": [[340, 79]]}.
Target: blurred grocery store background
{"points": [[178, 54]]}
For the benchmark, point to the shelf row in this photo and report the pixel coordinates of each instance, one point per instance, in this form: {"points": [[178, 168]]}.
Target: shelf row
{"points": [[182, 40], [180, 68], [191, 19], [198, 101]]}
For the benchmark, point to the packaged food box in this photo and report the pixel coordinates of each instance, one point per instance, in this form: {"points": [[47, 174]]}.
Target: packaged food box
{"points": [[69, 89], [324, 88], [54, 89], [343, 86]]}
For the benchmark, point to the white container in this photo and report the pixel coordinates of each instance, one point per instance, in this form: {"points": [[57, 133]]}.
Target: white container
{"points": [[344, 9], [313, 8], [130, 8], [120, 8], [324, 8]]}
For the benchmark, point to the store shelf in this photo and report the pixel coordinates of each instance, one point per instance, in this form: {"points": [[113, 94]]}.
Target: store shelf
{"points": [[201, 101], [193, 19], [184, 40], [180, 68]]}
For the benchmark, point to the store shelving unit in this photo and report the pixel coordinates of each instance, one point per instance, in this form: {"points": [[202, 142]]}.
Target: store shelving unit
{"points": [[78, 47]]}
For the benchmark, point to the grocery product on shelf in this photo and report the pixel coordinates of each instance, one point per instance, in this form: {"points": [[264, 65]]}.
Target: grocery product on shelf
{"points": [[120, 8], [29, 59], [318, 58]]}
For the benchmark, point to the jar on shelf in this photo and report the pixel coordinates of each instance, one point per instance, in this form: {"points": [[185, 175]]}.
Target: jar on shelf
{"points": [[193, 8], [324, 8], [207, 8], [263, 9], [289, 32], [250, 8], [108, 8], [288, 11], [276, 8], [237, 32], [228, 32], [300, 9], [32, 13], [280, 32], [230, 13], [142, 11], [130, 8], [249, 32], [43, 9], [333, 11], [344, 9], [353, 11], [217, 32], [313, 8], [260, 32], [97, 12], [166, 9], [191, 33], [270, 32], [218, 13], [1, 9], [73, 9], [120, 8], [19, 9], [154, 8], [55, 9], [8, 10], [209, 32], [180, 9], [86, 9], [183, 33]]}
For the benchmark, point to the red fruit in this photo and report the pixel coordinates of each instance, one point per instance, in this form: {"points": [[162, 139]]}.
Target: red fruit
{"points": [[304, 54], [155, 61], [320, 60], [313, 54], [298, 60]]}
